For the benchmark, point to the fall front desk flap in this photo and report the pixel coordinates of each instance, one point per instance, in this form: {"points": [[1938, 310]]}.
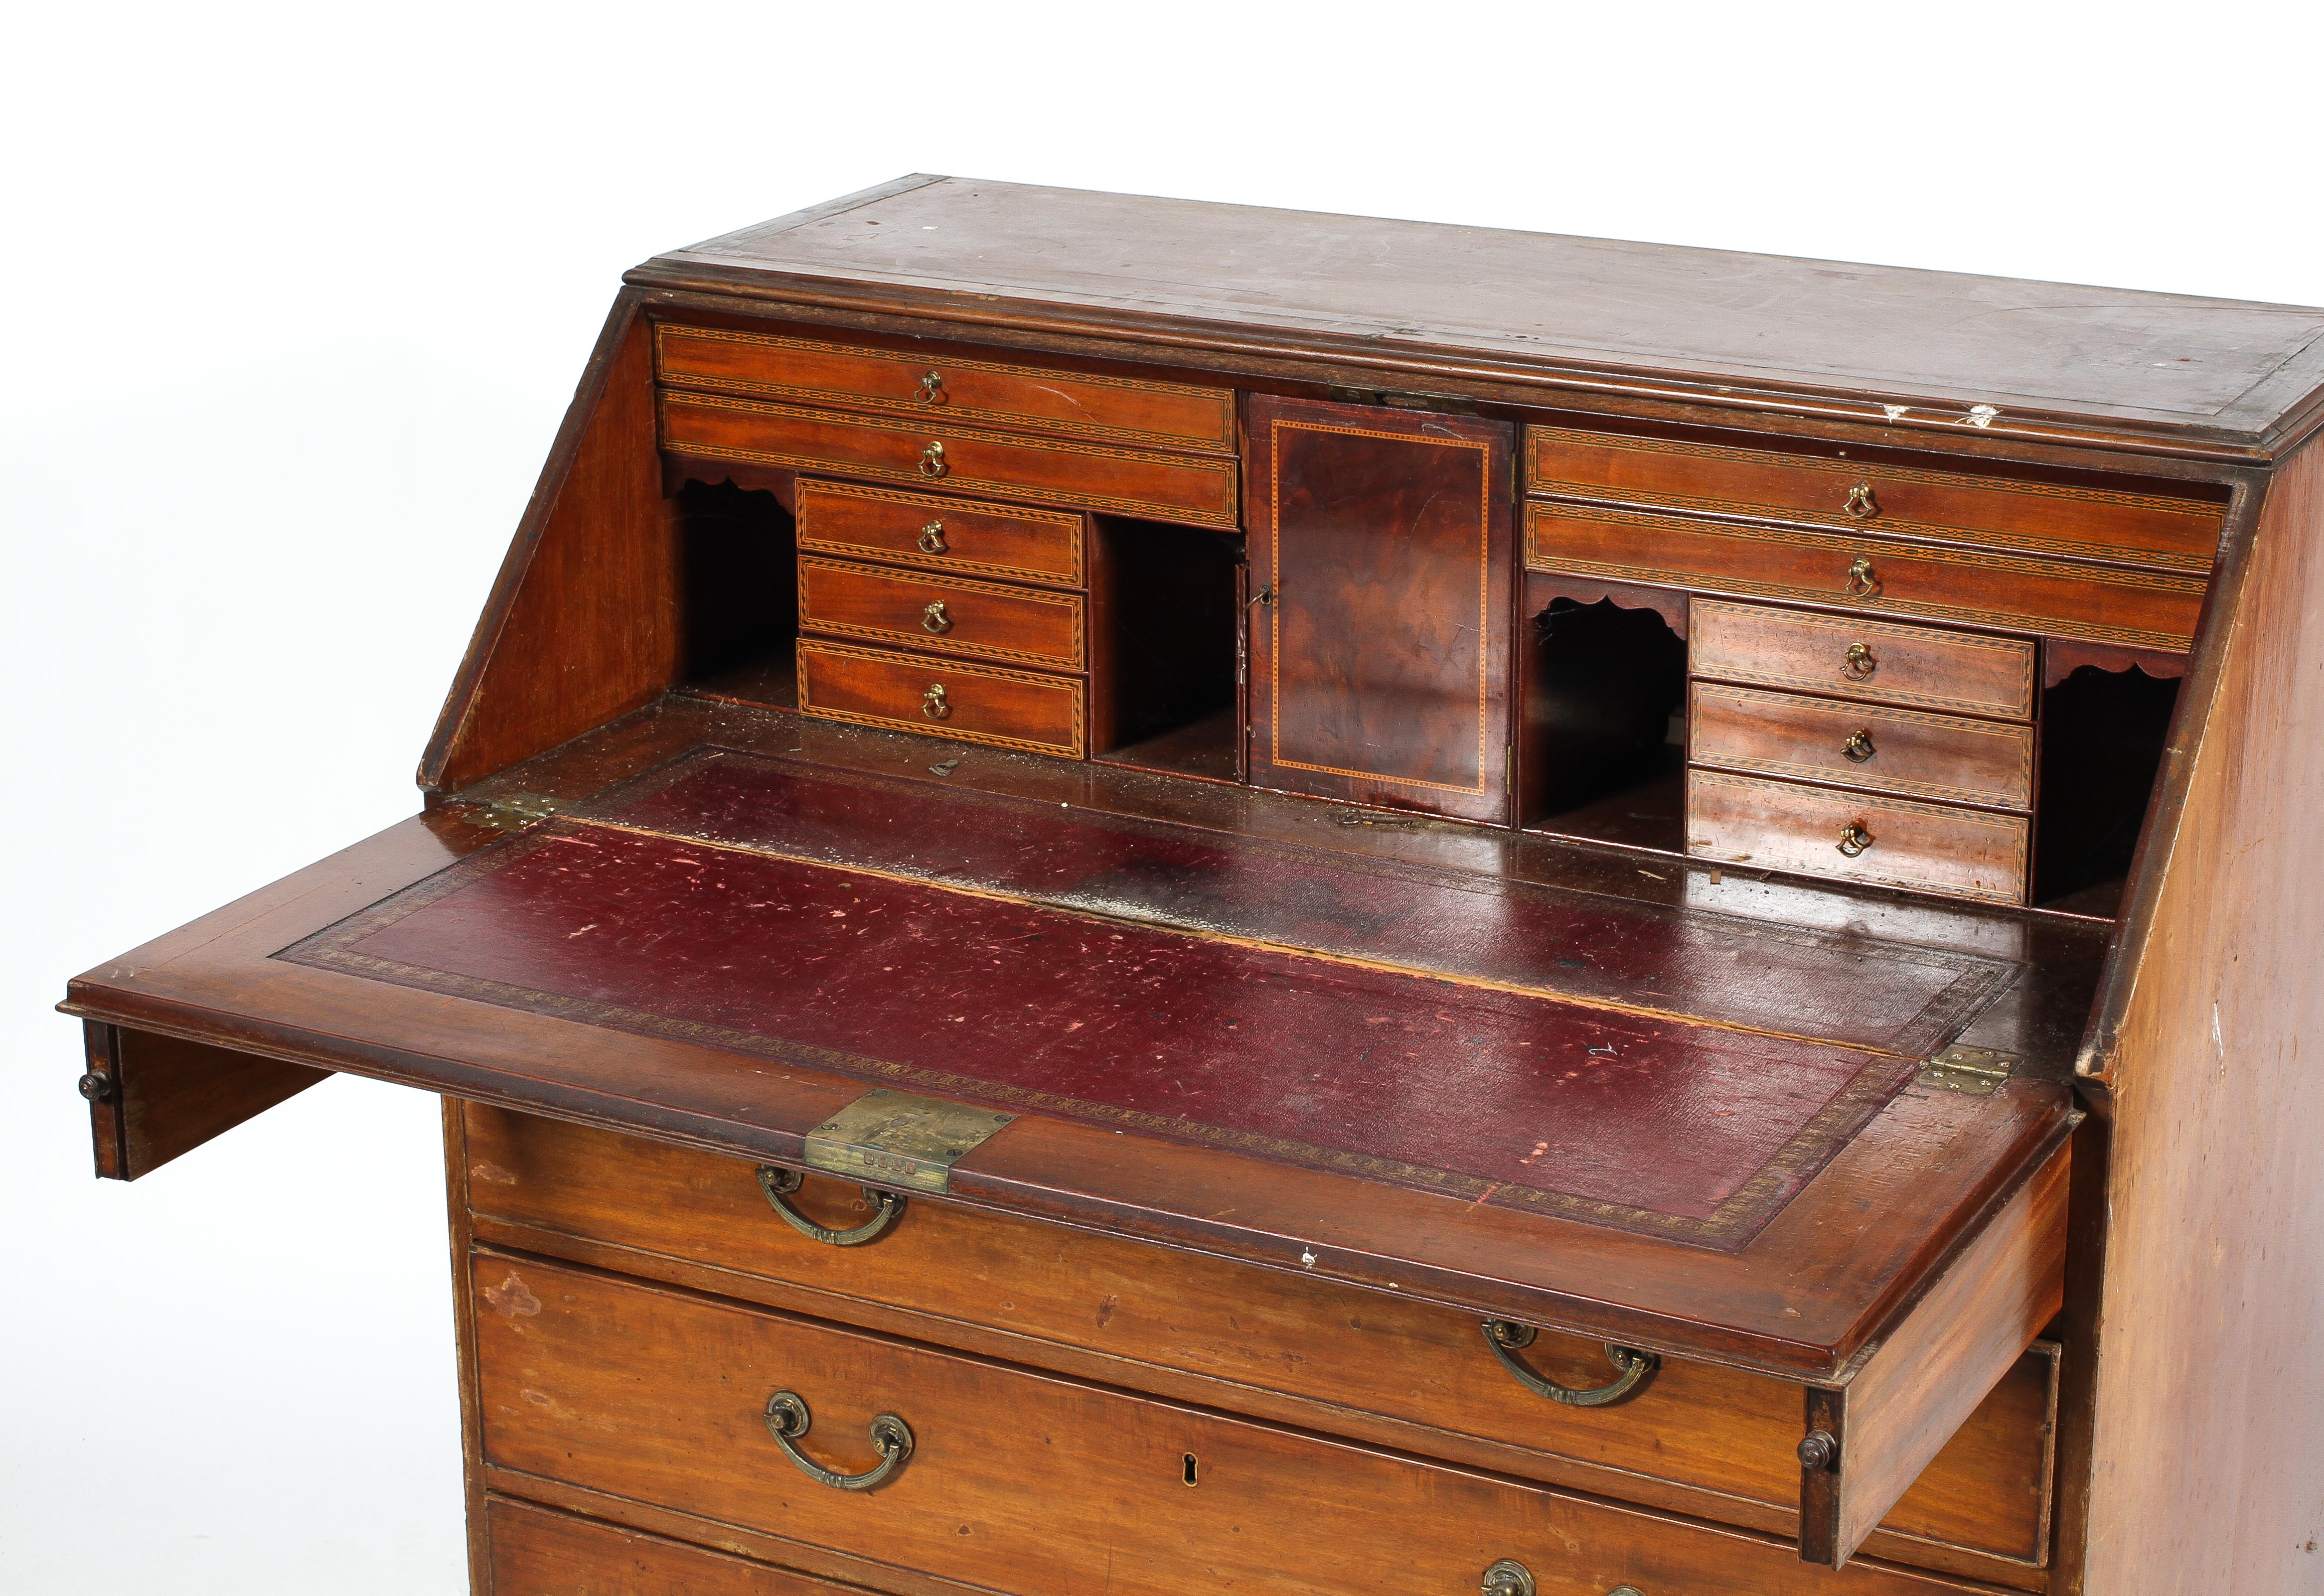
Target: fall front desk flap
{"points": [[1682, 1130]]}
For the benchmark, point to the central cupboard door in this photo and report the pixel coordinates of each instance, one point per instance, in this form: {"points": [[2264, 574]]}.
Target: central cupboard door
{"points": [[1380, 549]]}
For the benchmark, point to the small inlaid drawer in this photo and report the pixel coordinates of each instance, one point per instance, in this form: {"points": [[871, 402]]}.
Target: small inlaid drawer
{"points": [[1873, 661], [933, 451], [950, 614], [1855, 837], [2039, 517], [1963, 586], [942, 697], [941, 534], [970, 393], [1862, 745]]}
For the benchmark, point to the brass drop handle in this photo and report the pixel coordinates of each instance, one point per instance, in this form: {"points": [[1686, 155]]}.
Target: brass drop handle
{"points": [[1508, 1577], [934, 619], [1858, 746], [1632, 1368], [931, 389], [935, 704], [1859, 664], [932, 460], [1854, 839], [932, 538], [887, 1208], [1861, 505], [1862, 580], [789, 1420]]}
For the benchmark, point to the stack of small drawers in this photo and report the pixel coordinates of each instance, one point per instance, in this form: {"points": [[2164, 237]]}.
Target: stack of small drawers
{"points": [[1919, 743], [954, 611]]}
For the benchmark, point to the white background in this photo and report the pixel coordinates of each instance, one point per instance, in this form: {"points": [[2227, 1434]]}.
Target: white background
{"points": [[296, 298]]}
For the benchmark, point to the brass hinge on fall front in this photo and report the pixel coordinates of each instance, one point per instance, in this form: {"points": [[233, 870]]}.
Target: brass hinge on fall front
{"points": [[516, 811], [1974, 1072]]}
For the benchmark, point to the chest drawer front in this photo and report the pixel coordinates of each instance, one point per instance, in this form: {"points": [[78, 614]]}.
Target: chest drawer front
{"points": [[941, 534], [968, 392], [1023, 1483], [2040, 518], [949, 615], [942, 698], [1194, 490], [1043, 1294], [2132, 608], [1871, 661], [1864, 746], [1923, 847]]}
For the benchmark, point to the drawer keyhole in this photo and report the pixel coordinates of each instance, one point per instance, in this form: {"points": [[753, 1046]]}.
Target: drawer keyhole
{"points": [[1191, 1467]]}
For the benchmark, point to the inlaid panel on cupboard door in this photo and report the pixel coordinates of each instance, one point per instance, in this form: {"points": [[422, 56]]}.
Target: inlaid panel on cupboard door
{"points": [[1379, 638]]}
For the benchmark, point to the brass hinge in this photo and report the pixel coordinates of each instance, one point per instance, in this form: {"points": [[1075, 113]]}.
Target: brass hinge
{"points": [[1976, 1072], [896, 1138], [516, 811]]}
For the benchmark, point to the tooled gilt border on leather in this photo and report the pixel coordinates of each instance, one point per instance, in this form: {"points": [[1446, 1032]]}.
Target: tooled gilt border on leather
{"points": [[1730, 1228]]}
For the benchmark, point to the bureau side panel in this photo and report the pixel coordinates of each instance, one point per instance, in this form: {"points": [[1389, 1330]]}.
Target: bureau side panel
{"points": [[582, 623], [2209, 1413]]}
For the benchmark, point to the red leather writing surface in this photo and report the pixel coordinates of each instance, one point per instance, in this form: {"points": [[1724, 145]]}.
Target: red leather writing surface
{"points": [[1885, 996], [1649, 1124]]}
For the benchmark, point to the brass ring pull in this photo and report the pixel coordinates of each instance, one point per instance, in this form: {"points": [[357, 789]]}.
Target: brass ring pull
{"points": [[1509, 1577], [1632, 1368], [1861, 505], [932, 460], [1858, 746], [787, 1420], [1854, 839], [1862, 581], [932, 538], [931, 389], [887, 1208], [934, 619], [1858, 664], [935, 704]]}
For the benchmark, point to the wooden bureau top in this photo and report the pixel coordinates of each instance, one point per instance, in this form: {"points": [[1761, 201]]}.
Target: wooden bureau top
{"points": [[2166, 372]]}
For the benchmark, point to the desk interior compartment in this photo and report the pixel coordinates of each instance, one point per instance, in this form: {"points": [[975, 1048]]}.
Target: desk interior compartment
{"points": [[1168, 640]]}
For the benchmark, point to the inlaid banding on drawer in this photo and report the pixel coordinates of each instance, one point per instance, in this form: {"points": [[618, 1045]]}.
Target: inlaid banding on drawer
{"points": [[2102, 603], [2040, 518], [1864, 746], [1193, 489], [941, 534], [971, 392], [948, 614], [1855, 837], [941, 698], [1870, 661]]}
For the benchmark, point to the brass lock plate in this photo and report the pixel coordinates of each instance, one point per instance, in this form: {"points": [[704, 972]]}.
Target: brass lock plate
{"points": [[895, 1139], [1974, 1072]]}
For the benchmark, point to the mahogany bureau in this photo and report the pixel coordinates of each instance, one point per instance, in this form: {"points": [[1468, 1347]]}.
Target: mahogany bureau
{"points": [[1138, 895]]}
